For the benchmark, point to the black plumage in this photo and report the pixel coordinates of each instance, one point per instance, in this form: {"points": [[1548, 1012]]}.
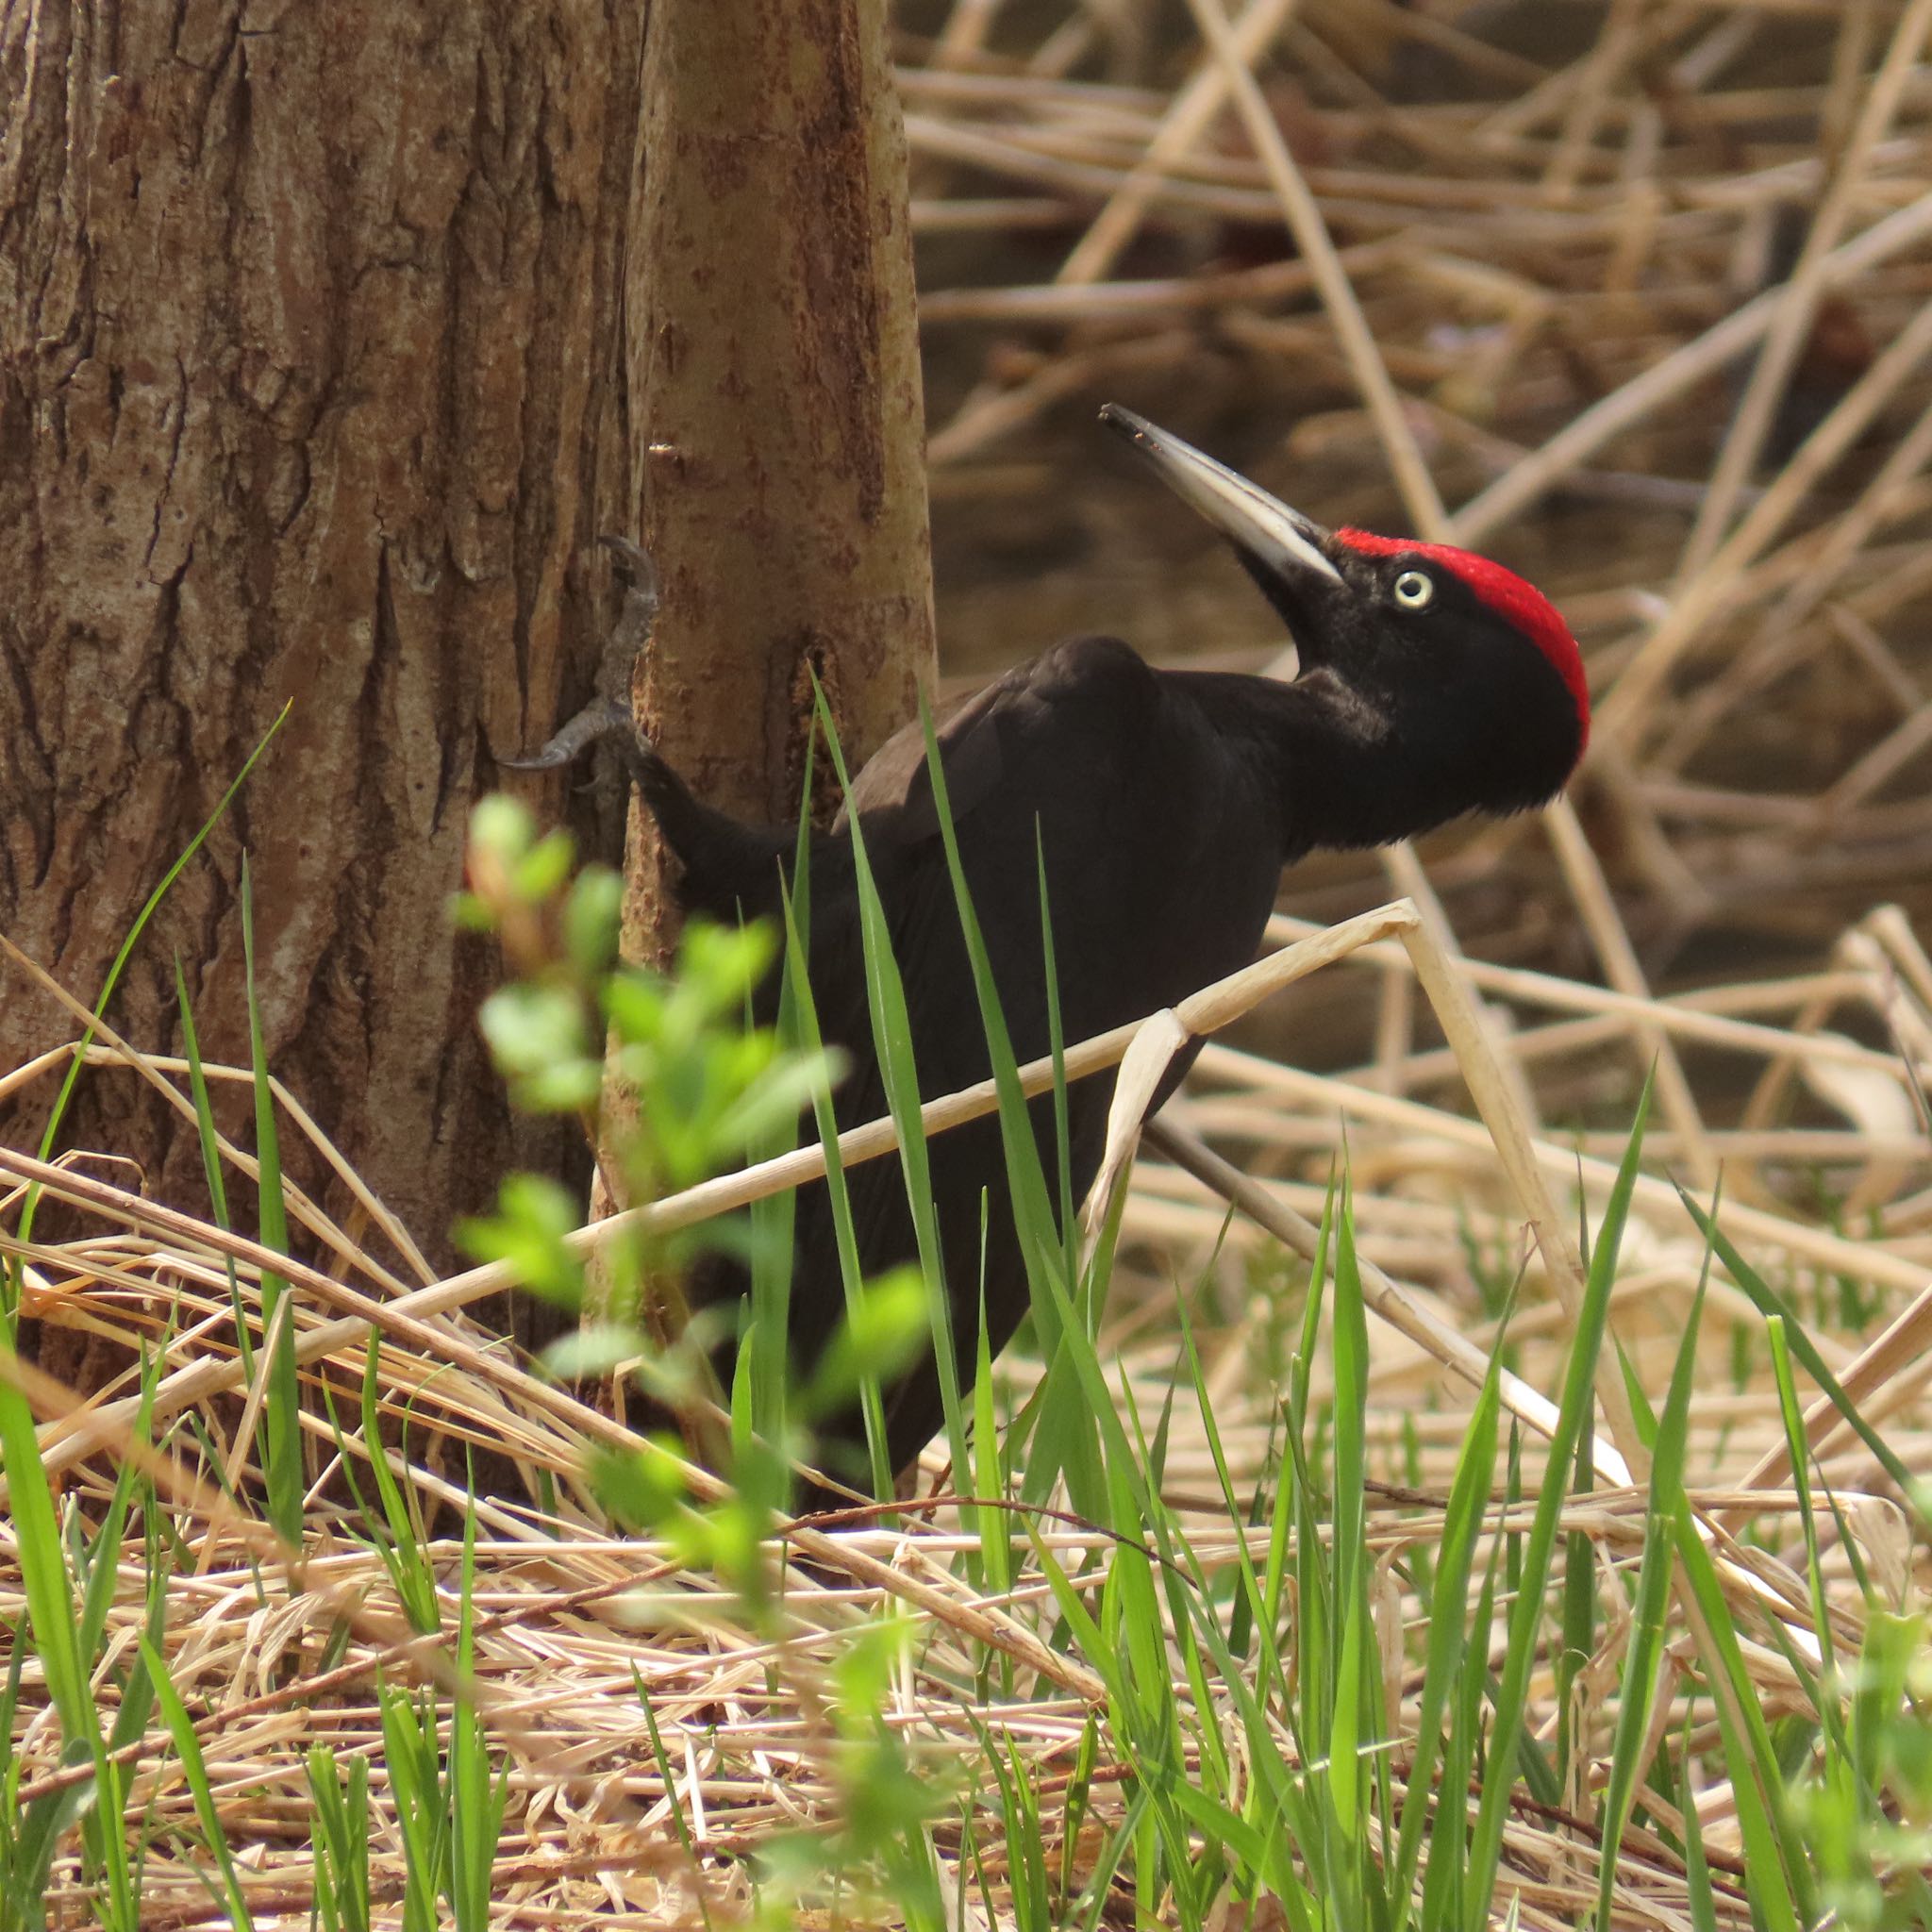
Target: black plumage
{"points": [[1163, 806]]}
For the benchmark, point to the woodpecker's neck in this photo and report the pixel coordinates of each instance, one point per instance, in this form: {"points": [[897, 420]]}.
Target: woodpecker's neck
{"points": [[1343, 769]]}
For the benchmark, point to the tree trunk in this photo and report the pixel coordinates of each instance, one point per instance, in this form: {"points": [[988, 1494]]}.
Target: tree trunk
{"points": [[774, 348], [309, 389]]}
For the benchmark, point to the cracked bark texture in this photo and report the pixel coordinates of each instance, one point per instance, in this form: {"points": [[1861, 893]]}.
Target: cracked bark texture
{"points": [[311, 390]]}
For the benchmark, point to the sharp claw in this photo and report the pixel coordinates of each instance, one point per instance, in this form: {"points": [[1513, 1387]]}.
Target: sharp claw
{"points": [[544, 760], [601, 718], [643, 573]]}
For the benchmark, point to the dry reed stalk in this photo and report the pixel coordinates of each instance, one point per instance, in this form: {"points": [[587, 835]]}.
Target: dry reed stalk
{"points": [[410, 1317], [1665, 380], [1707, 1015], [1405, 871], [1305, 222], [1394, 1304], [1618, 43], [1188, 117], [1705, 591], [1868, 1262], [1590, 893], [1797, 300], [1782, 633], [155, 1071]]}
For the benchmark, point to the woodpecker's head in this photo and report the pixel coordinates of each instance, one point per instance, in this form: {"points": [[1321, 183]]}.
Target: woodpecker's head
{"points": [[1466, 672]]}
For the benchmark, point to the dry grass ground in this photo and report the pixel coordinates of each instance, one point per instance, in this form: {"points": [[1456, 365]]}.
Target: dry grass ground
{"points": [[1651, 309]]}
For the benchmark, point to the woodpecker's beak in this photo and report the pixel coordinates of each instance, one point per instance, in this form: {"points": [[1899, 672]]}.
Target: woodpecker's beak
{"points": [[1279, 541]]}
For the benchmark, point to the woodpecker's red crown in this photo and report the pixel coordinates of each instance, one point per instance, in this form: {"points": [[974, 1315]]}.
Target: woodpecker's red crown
{"points": [[1519, 604]]}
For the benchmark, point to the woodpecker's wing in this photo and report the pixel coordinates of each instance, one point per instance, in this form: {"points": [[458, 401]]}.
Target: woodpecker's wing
{"points": [[1010, 742], [892, 792], [1044, 754]]}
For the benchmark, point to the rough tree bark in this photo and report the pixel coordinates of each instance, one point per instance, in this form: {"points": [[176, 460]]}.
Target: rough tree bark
{"points": [[775, 358], [310, 389]]}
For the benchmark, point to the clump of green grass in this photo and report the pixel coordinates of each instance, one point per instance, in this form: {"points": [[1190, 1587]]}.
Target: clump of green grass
{"points": [[1077, 1688]]}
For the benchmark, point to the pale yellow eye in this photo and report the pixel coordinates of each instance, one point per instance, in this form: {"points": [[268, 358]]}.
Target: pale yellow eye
{"points": [[1413, 590]]}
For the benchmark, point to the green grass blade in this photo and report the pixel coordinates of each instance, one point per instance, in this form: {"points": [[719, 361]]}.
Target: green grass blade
{"points": [[1447, 1653], [1771, 1846], [1800, 1454], [407, 1560], [1575, 1413], [1351, 1713], [422, 1814], [104, 1559], [42, 1558], [1113, 1852], [477, 1801], [1252, 1602], [58, 1111], [194, 1770], [680, 1824], [341, 1839], [137, 1694], [1770, 1303], [211, 1161], [1578, 1629], [1032, 1208], [1447, 1869], [281, 1410], [898, 1072], [996, 1545], [1044, 1241], [1276, 1805], [1644, 1652], [1069, 1207], [1310, 1715], [773, 1216], [54, 1621], [838, 1195], [1696, 1870]]}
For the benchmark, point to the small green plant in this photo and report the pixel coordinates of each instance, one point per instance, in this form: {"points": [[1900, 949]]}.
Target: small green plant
{"points": [[341, 1839], [703, 1087], [449, 1806], [702, 1090], [879, 1862], [69, 1580]]}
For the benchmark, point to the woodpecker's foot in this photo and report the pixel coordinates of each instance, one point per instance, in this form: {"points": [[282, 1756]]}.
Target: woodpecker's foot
{"points": [[636, 560], [608, 714], [600, 719], [631, 634]]}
